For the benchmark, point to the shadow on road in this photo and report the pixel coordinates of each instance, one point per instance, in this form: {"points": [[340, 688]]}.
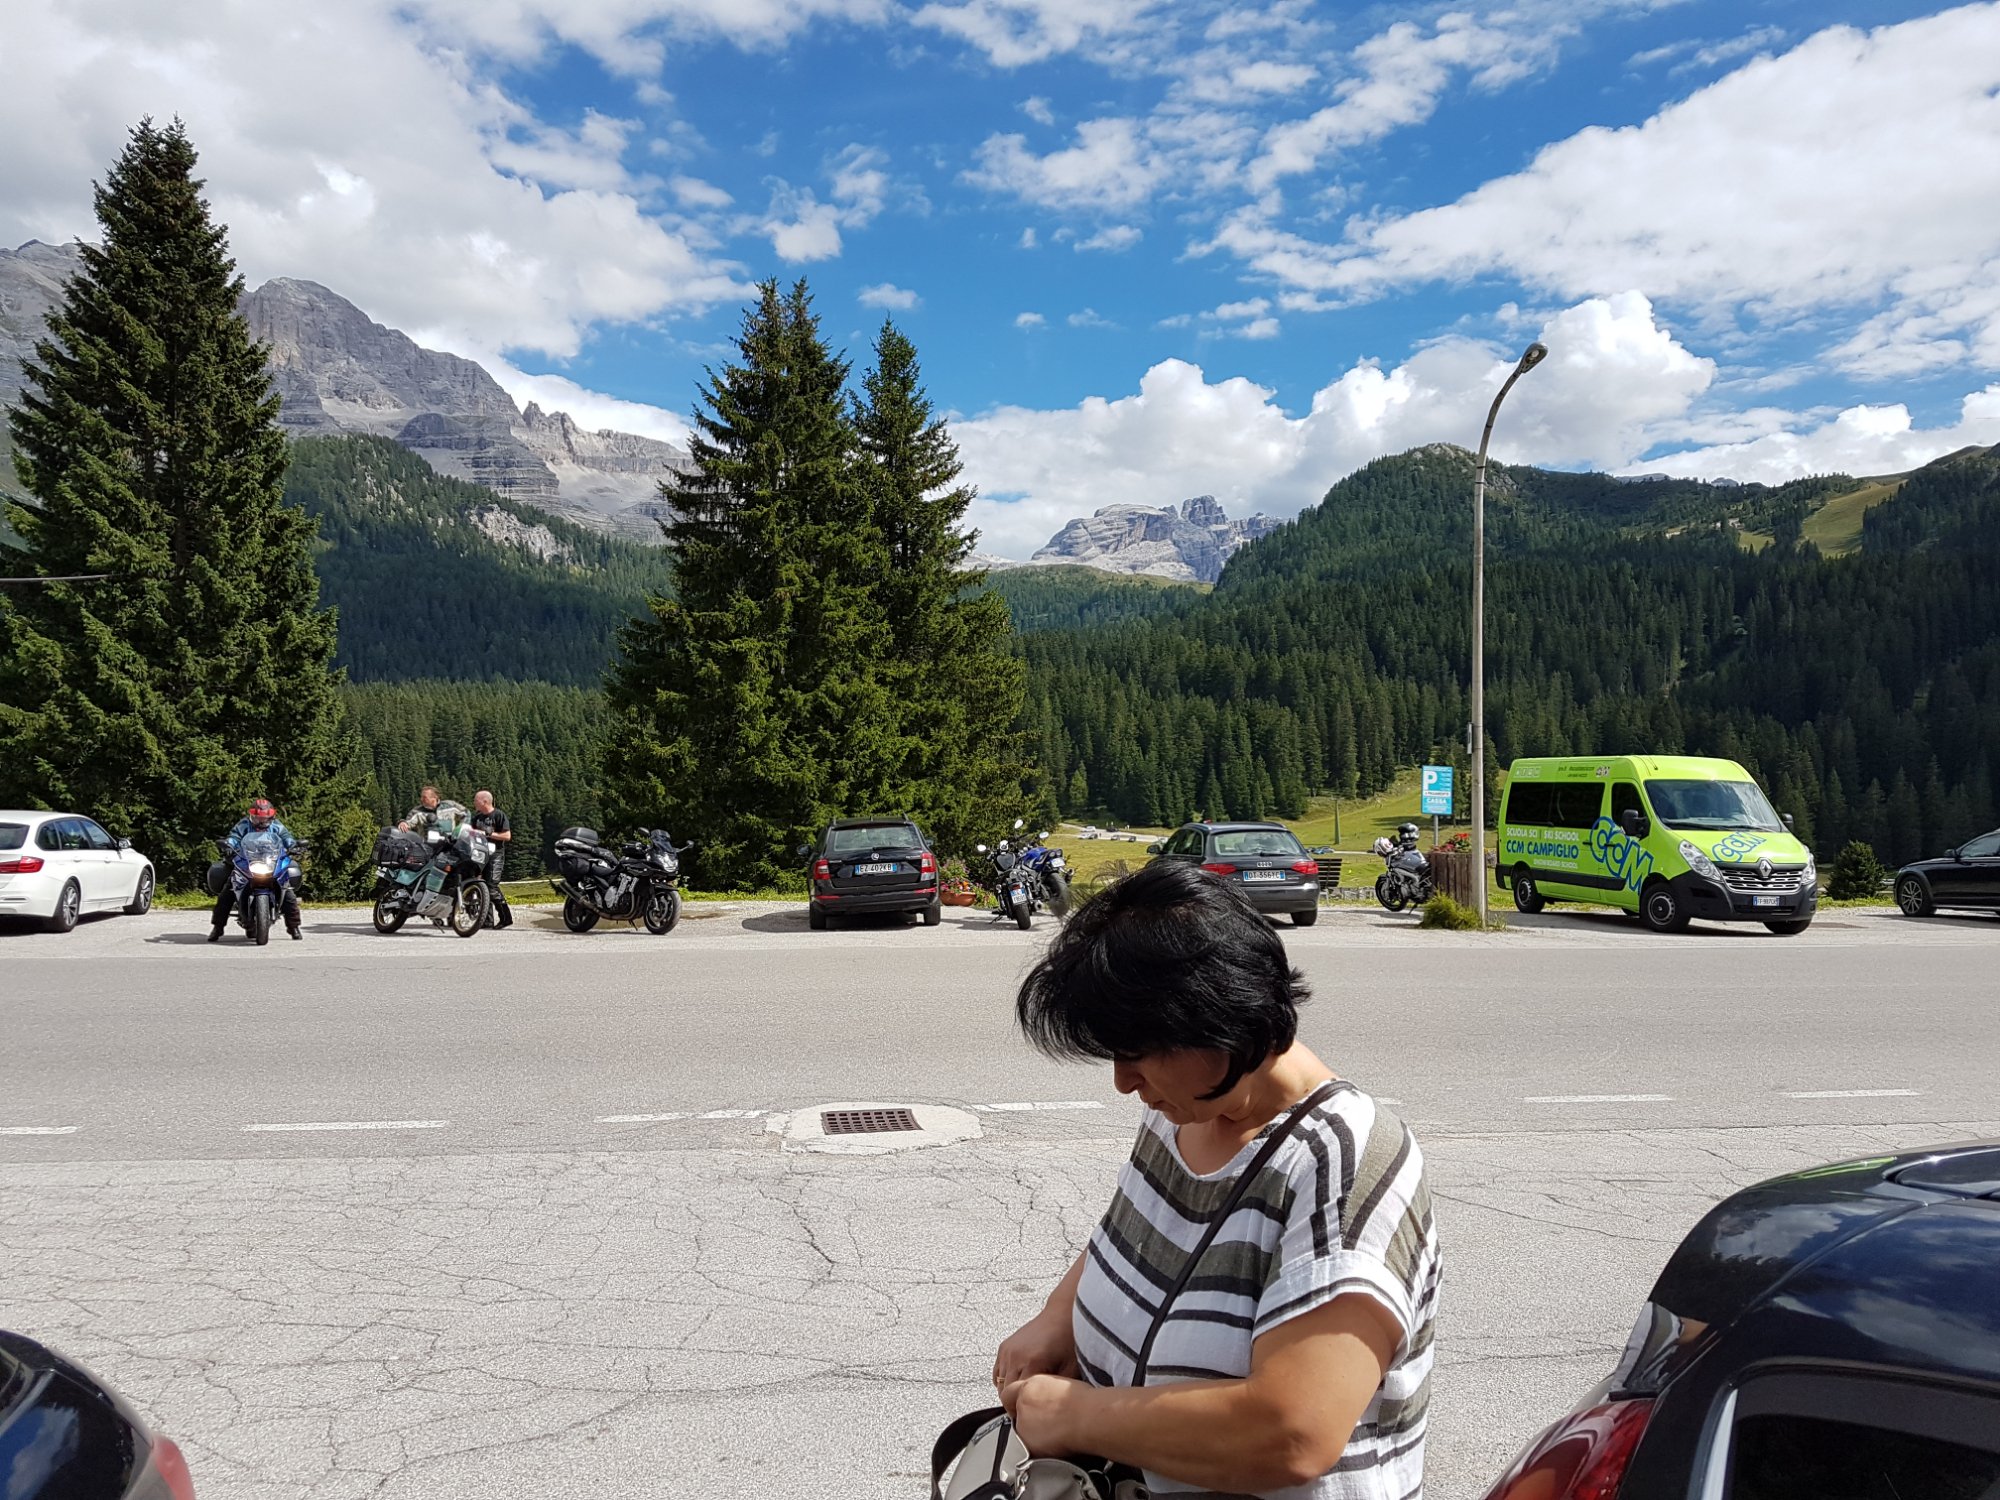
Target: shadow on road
{"points": [[32, 926]]}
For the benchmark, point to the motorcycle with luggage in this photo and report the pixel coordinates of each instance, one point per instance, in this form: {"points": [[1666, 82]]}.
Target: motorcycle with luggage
{"points": [[1408, 881], [1050, 869], [439, 876], [261, 871], [639, 881], [1016, 884]]}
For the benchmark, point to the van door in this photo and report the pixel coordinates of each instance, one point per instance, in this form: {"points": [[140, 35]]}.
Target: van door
{"points": [[1625, 862], [1552, 821]]}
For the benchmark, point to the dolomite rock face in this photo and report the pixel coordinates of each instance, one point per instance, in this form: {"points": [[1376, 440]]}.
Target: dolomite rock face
{"points": [[1189, 543]]}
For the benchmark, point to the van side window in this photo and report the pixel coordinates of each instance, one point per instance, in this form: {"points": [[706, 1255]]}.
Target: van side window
{"points": [[1625, 796], [1554, 804]]}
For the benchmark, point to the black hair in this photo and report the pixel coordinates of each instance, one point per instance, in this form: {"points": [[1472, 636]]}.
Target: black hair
{"points": [[1169, 958]]}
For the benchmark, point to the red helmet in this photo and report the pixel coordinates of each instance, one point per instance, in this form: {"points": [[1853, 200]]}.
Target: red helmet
{"points": [[261, 812]]}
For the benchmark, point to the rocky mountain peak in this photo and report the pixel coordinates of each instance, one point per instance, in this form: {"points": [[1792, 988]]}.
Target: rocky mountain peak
{"points": [[1189, 542]]}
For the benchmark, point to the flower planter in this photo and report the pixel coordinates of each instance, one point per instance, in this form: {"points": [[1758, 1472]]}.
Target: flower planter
{"points": [[958, 898]]}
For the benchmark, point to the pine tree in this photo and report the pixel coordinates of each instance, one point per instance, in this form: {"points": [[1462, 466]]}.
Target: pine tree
{"points": [[198, 674], [955, 687]]}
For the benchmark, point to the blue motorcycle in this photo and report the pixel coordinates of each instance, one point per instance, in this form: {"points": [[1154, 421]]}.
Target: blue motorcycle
{"points": [[1050, 869], [262, 872]]}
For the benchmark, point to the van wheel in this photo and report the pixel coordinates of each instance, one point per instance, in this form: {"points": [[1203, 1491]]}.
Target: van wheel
{"points": [[1527, 895], [1914, 897], [1789, 929], [1660, 909]]}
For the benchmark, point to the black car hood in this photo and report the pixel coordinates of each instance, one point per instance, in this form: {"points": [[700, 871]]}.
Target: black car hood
{"points": [[1747, 1246]]}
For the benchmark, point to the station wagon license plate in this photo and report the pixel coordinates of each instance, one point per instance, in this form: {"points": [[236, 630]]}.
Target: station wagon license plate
{"points": [[1263, 874], [881, 869], [1763, 900]]}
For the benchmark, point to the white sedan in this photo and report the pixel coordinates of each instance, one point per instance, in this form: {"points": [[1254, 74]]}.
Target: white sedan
{"points": [[56, 866]]}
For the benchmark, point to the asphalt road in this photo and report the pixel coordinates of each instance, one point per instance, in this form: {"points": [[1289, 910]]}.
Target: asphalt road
{"points": [[425, 1217]]}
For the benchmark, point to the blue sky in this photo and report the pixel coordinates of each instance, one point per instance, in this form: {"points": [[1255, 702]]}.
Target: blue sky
{"points": [[1145, 249]]}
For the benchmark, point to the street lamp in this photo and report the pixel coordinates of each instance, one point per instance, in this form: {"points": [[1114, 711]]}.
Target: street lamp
{"points": [[1476, 739]]}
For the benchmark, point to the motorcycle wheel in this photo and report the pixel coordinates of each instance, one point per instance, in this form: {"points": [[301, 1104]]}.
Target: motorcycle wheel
{"points": [[260, 919], [1024, 914], [577, 917], [1058, 895], [663, 912], [1388, 895], [468, 912], [388, 922]]}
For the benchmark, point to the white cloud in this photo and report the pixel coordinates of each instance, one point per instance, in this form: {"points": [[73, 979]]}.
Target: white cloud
{"points": [[888, 295], [1272, 77], [1859, 167], [591, 409], [1090, 317], [1038, 110], [1028, 238], [694, 193], [1696, 54], [1258, 328], [386, 168], [802, 228], [1614, 381], [1115, 238], [1015, 32], [1109, 167], [1861, 440], [1029, 320]]}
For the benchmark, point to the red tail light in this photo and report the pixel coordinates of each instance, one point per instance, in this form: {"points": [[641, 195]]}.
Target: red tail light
{"points": [[1220, 869], [165, 1476], [27, 864], [1581, 1457], [1305, 867], [927, 863], [822, 870]]}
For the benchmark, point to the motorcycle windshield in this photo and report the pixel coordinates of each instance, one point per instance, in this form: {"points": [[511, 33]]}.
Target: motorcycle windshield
{"points": [[260, 846]]}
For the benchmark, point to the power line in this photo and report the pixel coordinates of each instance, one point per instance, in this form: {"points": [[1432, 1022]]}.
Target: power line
{"points": [[65, 578]]}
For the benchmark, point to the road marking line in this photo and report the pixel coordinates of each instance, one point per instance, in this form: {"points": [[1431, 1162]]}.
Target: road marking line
{"points": [[1855, 1094], [672, 1114], [355, 1125], [1598, 1099], [990, 1109], [732, 1114], [39, 1129]]}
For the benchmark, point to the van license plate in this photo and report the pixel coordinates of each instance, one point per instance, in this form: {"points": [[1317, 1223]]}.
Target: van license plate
{"points": [[1763, 900], [1263, 874], [888, 869]]}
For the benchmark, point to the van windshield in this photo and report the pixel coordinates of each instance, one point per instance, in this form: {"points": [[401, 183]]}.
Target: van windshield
{"points": [[1712, 805]]}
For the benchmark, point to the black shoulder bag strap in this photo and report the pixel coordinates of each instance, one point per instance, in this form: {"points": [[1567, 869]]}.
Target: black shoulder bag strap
{"points": [[951, 1442], [1249, 1175]]}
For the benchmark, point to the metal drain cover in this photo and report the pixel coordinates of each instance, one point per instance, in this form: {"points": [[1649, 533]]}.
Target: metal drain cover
{"points": [[866, 1121]]}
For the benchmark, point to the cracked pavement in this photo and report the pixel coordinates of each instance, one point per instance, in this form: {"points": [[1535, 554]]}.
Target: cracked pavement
{"points": [[530, 1301]]}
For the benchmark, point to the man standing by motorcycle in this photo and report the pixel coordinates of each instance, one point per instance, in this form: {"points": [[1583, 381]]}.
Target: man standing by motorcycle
{"points": [[261, 818], [424, 816], [492, 822]]}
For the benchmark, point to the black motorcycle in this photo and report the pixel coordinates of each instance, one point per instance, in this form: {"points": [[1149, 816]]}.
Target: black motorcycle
{"points": [[1016, 884], [638, 883], [1408, 880], [438, 875]]}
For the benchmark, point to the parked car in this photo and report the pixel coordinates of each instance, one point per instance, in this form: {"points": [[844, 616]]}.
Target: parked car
{"points": [[872, 866], [1278, 876], [57, 866], [1833, 1334], [64, 1435], [1967, 877]]}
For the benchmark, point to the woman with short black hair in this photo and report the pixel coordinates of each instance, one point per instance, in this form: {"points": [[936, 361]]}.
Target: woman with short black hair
{"points": [[1296, 1360]]}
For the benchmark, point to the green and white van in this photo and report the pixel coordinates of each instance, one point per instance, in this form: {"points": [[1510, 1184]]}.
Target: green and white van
{"points": [[1667, 838]]}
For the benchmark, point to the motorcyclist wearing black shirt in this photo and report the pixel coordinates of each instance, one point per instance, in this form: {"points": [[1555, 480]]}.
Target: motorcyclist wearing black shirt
{"points": [[260, 818], [493, 823]]}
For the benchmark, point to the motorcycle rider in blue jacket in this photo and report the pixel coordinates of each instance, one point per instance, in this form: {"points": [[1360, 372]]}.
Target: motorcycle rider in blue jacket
{"points": [[261, 818]]}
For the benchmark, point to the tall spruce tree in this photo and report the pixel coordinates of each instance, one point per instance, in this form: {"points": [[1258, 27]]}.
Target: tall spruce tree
{"points": [[198, 674], [956, 686], [747, 709]]}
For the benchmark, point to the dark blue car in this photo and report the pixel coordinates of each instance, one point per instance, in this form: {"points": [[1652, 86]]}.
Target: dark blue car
{"points": [[64, 1435], [1829, 1335]]}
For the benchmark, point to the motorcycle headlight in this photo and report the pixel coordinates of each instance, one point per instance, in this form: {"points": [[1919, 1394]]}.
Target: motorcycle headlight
{"points": [[1698, 862], [262, 866]]}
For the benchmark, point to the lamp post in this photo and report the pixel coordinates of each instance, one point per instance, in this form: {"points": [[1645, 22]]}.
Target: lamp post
{"points": [[1476, 738]]}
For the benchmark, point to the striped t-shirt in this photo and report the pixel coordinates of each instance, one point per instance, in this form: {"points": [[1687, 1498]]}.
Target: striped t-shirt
{"points": [[1342, 1207]]}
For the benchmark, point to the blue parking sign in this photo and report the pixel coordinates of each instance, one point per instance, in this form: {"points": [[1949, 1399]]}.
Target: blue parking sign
{"points": [[1437, 791]]}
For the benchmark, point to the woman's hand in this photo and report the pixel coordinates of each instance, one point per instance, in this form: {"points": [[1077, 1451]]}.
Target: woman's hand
{"points": [[1042, 1407], [1044, 1345]]}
